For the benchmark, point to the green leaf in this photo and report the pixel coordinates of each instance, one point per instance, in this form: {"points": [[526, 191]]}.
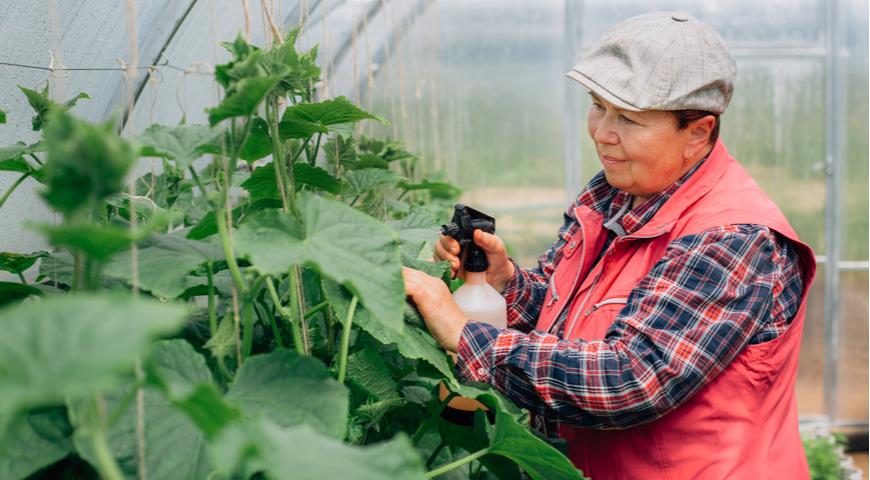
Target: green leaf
{"points": [[174, 445], [97, 241], [368, 179], [163, 263], [538, 459], [364, 161], [42, 105], [343, 244], [436, 189], [71, 346], [301, 453], [187, 381], [18, 263], [14, 291], [339, 150], [367, 370], [322, 116], [86, 163], [57, 267], [2, 117], [223, 343], [30, 441], [412, 342], [261, 184], [305, 174], [290, 389], [208, 227], [418, 226], [184, 143], [250, 92], [258, 144]]}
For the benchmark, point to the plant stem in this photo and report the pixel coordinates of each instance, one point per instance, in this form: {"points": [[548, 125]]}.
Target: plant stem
{"points": [[294, 327], [313, 159], [226, 243], [35, 159], [430, 420], [297, 305], [345, 340], [77, 272], [106, 464], [277, 150], [320, 306], [248, 327], [212, 308], [13, 187], [202, 189], [458, 463], [434, 455], [21, 277]]}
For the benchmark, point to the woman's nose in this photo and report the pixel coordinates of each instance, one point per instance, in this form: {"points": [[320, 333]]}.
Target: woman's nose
{"points": [[603, 133]]}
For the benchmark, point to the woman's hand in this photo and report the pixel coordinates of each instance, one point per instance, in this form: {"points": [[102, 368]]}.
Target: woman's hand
{"points": [[501, 269], [442, 315]]}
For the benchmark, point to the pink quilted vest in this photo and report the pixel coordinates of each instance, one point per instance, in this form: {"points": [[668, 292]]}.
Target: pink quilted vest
{"points": [[743, 425]]}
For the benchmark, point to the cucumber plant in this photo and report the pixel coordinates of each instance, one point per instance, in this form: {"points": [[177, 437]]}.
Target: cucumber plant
{"points": [[241, 314]]}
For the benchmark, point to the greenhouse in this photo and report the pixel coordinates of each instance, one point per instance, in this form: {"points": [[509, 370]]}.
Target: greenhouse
{"points": [[238, 239]]}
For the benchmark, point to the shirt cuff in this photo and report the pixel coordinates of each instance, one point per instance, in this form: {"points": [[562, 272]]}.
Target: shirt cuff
{"points": [[474, 353]]}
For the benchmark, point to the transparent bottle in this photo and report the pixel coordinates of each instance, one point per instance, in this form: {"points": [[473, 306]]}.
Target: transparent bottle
{"points": [[479, 302]]}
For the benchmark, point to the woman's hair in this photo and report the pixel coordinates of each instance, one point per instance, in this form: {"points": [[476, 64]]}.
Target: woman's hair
{"points": [[685, 117]]}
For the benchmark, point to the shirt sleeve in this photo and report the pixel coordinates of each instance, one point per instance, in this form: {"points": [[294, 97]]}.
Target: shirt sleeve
{"points": [[524, 294], [700, 305]]}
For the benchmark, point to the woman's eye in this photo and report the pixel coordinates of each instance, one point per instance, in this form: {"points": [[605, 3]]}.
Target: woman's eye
{"points": [[626, 119], [597, 106]]}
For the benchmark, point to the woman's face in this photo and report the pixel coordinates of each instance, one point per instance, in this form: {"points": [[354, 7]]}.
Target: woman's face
{"points": [[642, 152]]}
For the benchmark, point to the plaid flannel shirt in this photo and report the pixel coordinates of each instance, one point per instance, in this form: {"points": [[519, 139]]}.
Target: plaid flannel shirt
{"points": [[712, 294]]}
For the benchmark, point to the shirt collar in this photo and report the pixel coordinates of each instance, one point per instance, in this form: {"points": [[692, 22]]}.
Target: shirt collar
{"points": [[615, 204]]}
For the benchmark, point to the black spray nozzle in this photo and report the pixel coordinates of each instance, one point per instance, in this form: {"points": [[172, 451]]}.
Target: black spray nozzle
{"points": [[461, 227]]}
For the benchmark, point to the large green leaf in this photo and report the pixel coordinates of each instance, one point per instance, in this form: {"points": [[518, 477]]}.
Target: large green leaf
{"points": [[57, 267], [368, 179], [513, 440], [14, 291], [436, 189], [2, 117], [30, 441], [289, 390], [538, 459], [367, 369], [86, 163], [19, 262], [183, 143], [420, 225], [304, 119], [259, 143], [261, 183], [300, 453], [69, 346], [248, 95], [412, 342], [163, 262], [174, 445], [97, 241], [343, 244]]}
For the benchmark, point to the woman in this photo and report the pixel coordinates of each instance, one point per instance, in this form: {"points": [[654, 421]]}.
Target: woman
{"points": [[659, 335]]}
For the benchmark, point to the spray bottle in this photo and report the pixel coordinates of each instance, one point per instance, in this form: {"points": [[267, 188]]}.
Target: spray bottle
{"points": [[476, 298]]}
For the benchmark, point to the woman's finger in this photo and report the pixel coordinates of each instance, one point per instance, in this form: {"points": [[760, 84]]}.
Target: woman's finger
{"points": [[488, 242]]}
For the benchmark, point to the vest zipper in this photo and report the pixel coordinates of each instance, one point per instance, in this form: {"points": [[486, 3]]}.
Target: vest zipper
{"points": [[609, 301], [576, 277], [555, 296]]}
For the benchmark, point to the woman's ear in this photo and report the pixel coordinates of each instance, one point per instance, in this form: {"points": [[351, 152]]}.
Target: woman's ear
{"points": [[699, 136]]}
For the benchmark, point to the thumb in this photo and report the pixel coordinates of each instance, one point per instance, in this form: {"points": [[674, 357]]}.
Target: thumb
{"points": [[487, 242]]}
